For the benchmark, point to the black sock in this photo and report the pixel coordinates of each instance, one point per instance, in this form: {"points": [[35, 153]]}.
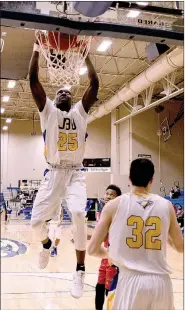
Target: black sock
{"points": [[100, 296], [80, 267], [106, 292], [47, 245]]}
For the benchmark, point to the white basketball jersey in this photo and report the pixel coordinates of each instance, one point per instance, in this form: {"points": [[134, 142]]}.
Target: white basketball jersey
{"points": [[64, 134], [139, 232]]}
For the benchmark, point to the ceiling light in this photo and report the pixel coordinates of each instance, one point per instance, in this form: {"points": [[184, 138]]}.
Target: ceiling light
{"points": [[6, 98], [104, 46], [133, 13], [3, 34], [8, 120], [83, 70], [5, 128], [11, 84], [143, 3], [2, 110]]}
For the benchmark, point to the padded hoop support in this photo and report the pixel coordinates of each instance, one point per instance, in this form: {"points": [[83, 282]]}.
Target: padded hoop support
{"points": [[91, 9]]}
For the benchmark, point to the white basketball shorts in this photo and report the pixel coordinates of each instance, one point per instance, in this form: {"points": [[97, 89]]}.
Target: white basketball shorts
{"points": [[60, 184], [139, 291]]}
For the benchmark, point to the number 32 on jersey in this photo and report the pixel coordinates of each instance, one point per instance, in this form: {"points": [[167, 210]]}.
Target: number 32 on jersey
{"points": [[148, 239], [67, 141]]}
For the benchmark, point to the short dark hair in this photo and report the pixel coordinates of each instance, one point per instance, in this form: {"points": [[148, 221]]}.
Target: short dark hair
{"points": [[114, 188], [141, 172]]}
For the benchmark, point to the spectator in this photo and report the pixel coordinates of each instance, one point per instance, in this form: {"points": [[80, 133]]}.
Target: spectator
{"points": [[172, 191], [175, 193], [180, 218]]}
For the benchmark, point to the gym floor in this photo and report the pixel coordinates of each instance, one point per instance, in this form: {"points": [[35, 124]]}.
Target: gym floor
{"points": [[24, 286]]}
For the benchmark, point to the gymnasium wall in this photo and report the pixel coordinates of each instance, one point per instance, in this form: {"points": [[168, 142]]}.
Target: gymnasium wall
{"points": [[98, 146], [22, 154], [144, 140]]}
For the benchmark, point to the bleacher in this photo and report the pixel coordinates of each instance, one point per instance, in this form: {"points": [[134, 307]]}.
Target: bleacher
{"points": [[2, 201], [25, 211], [4, 204], [67, 216], [177, 201]]}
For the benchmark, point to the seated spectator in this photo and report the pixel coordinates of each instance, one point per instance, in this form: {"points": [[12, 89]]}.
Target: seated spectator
{"points": [[177, 190], [172, 191], [180, 211], [175, 193], [180, 216], [175, 209]]}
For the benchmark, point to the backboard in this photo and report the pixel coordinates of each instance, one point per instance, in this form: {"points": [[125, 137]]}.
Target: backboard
{"points": [[124, 20]]}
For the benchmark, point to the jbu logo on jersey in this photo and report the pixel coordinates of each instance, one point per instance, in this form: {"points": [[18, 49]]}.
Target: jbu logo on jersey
{"points": [[67, 141], [68, 124]]}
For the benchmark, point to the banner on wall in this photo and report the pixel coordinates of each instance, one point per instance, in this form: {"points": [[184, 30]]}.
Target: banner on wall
{"points": [[97, 165], [145, 156], [96, 169], [29, 184]]}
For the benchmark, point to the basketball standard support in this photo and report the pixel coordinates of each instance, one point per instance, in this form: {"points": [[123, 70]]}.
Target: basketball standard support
{"points": [[153, 74], [14, 17], [151, 105]]}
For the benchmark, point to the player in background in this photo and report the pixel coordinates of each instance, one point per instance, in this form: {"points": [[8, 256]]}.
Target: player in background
{"points": [[106, 272], [64, 127], [140, 224]]}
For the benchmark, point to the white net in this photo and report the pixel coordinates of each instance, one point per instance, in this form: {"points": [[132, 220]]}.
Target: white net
{"points": [[64, 66]]}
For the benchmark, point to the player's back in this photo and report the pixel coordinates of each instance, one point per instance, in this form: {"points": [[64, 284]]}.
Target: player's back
{"points": [[139, 233]]}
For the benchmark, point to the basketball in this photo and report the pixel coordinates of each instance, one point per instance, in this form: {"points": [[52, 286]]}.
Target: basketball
{"points": [[62, 41]]}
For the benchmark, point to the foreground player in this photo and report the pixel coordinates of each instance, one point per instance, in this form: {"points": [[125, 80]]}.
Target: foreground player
{"points": [[64, 128], [139, 226], [106, 272]]}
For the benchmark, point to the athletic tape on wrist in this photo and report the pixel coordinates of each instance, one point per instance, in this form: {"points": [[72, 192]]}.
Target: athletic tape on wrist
{"points": [[36, 48]]}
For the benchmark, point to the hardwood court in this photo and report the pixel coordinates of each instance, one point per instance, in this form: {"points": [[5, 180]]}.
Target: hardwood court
{"points": [[25, 287]]}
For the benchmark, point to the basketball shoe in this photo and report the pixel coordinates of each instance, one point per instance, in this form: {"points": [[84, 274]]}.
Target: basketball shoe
{"points": [[78, 284], [44, 258], [52, 254]]}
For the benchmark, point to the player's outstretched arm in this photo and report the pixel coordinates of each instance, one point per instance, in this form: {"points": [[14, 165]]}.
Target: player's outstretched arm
{"points": [[37, 90], [90, 96], [95, 247], [175, 235]]}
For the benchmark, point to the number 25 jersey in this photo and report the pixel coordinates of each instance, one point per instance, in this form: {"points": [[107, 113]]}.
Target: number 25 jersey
{"points": [[64, 134], [139, 232]]}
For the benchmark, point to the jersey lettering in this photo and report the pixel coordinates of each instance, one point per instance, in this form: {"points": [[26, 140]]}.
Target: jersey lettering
{"points": [[147, 239], [68, 124], [67, 142]]}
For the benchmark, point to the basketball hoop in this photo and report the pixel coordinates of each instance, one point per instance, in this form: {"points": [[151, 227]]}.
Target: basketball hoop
{"points": [[64, 54]]}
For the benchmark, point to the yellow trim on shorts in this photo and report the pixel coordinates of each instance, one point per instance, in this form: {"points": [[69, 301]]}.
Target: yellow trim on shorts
{"points": [[110, 300]]}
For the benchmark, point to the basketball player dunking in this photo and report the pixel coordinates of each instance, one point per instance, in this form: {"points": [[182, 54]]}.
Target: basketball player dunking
{"points": [[64, 128], [139, 224]]}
